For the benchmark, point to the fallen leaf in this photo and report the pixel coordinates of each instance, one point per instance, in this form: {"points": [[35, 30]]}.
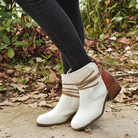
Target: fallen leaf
{"points": [[39, 29], [52, 76], [24, 98], [53, 95], [53, 90], [113, 38], [4, 103], [118, 99], [42, 103], [69, 125], [50, 105], [29, 101], [38, 59], [15, 79], [52, 101], [27, 69], [14, 99], [6, 57], [33, 106], [17, 104], [19, 87], [10, 71], [41, 95], [53, 127], [41, 85], [5, 75], [1, 95], [88, 133], [1, 58], [7, 103], [87, 43]]}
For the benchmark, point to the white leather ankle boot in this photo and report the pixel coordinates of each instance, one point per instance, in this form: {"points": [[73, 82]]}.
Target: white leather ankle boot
{"points": [[66, 107], [95, 85]]}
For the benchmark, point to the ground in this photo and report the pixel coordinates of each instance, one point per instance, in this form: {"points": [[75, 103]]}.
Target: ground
{"points": [[118, 121]]}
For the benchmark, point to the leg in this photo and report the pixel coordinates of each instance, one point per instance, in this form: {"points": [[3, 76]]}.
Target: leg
{"points": [[71, 8], [57, 25], [93, 82]]}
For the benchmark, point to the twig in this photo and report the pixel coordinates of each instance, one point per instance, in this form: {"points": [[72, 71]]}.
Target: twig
{"points": [[100, 50], [125, 74]]}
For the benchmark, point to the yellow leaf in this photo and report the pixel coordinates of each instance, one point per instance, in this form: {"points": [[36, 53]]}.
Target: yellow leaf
{"points": [[107, 20]]}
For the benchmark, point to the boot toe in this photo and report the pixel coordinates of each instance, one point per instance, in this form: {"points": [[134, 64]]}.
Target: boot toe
{"points": [[41, 119]]}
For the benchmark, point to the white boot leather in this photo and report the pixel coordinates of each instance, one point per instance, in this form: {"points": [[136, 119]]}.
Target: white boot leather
{"points": [[94, 84], [66, 107]]}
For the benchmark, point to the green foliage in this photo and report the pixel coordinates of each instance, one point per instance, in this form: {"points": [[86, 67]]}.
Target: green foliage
{"points": [[102, 16], [9, 19]]}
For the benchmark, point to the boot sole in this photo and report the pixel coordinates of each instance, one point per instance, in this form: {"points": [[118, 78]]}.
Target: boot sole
{"points": [[47, 125], [112, 93]]}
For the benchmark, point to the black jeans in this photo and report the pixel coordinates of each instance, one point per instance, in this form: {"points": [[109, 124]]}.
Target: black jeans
{"points": [[61, 21]]}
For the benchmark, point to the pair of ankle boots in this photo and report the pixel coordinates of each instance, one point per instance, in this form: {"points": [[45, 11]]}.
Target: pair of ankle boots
{"points": [[85, 92]]}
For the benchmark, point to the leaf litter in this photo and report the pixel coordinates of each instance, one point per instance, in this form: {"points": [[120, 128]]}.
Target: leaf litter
{"points": [[34, 78]]}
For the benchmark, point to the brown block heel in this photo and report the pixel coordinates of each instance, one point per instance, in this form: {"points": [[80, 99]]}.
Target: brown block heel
{"points": [[114, 90]]}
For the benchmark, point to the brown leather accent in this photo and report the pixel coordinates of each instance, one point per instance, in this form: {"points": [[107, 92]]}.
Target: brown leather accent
{"points": [[107, 78], [114, 90], [70, 91], [86, 81]]}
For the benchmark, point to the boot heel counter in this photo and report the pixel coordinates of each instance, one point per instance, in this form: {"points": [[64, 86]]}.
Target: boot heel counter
{"points": [[111, 84], [107, 78]]}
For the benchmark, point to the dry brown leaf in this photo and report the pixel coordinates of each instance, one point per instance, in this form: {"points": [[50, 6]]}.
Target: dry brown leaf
{"points": [[69, 125], [27, 69], [15, 79], [124, 40], [19, 87], [52, 101], [1, 58], [14, 99], [42, 103], [29, 101], [119, 99], [41, 85], [88, 132], [10, 71], [50, 105], [52, 77], [41, 95], [5, 75], [33, 106], [38, 59], [87, 43], [6, 57], [1, 95], [42, 79], [17, 67], [53, 90], [53, 95], [135, 97], [24, 98], [53, 127], [39, 29]]}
